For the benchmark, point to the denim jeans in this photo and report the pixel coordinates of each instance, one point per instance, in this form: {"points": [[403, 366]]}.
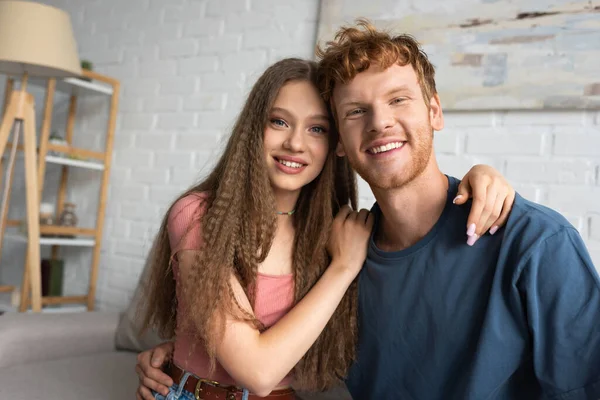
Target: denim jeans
{"points": [[177, 391]]}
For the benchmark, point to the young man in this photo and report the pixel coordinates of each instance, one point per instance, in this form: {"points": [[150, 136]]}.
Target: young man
{"points": [[513, 317]]}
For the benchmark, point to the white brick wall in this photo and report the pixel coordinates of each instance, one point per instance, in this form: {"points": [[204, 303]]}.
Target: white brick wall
{"points": [[185, 68], [550, 157]]}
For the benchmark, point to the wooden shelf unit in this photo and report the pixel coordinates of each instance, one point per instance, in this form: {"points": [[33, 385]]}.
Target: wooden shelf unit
{"points": [[94, 85]]}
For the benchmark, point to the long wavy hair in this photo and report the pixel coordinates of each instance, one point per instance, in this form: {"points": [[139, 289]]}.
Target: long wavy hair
{"points": [[238, 227]]}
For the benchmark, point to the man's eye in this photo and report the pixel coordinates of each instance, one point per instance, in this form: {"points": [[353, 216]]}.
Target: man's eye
{"points": [[357, 111]]}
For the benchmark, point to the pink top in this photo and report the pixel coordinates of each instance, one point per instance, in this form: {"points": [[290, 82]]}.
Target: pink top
{"points": [[274, 293]]}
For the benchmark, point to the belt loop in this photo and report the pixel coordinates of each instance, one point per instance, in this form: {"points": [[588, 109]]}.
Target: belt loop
{"points": [[245, 394], [181, 384]]}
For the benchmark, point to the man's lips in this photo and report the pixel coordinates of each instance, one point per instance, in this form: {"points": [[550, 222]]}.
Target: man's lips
{"points": [[380, 147]]}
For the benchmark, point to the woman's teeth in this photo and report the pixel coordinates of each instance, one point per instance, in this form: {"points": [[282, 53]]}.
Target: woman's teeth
{"points": [[387, 147], [290, 164]]}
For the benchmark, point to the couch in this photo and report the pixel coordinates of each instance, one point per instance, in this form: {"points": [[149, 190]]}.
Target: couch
{"points": [[68, 356]]}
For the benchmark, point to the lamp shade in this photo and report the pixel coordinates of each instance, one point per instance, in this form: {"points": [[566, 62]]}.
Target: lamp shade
{"points": [[37, 39]]}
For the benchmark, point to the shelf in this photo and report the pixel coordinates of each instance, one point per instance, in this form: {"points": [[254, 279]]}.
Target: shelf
{"points": [[55, 241], [56, 229], [67, 150], [93, 86], [76, 151], [74, 163], [77, 87], [6, 289], [66, 230]]}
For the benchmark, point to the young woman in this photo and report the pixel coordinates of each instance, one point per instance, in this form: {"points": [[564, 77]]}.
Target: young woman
{"points": [[251, 274]]}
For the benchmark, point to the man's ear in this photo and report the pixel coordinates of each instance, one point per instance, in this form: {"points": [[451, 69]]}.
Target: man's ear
{"points": [[436, 116], [339, 150]]}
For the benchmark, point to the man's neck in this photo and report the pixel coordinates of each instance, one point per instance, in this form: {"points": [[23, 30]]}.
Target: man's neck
{"points": [[410, 212]]}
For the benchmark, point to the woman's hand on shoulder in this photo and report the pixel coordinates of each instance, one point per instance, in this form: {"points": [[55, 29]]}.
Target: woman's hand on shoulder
{"points": [[349, 237], [493, 198]]}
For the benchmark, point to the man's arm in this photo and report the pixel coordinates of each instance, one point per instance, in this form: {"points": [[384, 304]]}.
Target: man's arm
{"points": [[148, 368], [561, 290]]}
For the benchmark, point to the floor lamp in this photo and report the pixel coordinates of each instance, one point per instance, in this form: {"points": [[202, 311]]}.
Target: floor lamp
{"points": [[35, 41]]}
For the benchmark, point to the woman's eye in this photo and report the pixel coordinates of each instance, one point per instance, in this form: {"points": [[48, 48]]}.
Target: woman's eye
{"points": [[397, 101], [278, 122], [318, 129]]}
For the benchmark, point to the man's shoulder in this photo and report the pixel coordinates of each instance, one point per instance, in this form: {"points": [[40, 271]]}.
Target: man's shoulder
{"points": [[529, 216], [530, 225]]}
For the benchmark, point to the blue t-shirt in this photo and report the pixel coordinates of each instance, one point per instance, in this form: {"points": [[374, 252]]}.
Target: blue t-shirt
{"points": [[516, 316]]}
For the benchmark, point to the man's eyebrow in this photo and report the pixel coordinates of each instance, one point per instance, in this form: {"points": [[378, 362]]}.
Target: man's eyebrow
{"points": [[397, 89], [392, 91], [350, 103]]}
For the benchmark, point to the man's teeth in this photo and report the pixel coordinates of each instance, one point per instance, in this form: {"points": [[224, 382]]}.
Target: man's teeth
{"points": [[384, 148], [290, 164]]}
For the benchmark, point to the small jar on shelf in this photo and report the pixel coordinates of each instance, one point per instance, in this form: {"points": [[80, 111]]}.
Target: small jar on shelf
{"points": [[68, 216], [47, 215]]}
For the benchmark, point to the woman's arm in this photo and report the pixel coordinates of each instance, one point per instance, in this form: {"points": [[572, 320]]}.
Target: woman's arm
{"points": [[259, 361]]}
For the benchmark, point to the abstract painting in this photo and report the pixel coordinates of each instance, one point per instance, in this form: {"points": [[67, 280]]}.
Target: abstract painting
{"points": [[494, 54]]}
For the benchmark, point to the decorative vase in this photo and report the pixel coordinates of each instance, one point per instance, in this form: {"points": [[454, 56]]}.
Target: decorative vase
{"points": [[47, 215], [86, 65], [52, 277], [68, 216]]}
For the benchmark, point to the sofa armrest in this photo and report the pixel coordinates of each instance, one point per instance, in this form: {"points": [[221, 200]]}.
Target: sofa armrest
{"points": [[33, 337]]}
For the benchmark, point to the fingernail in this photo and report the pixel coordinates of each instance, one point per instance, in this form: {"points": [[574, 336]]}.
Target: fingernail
{"points": [[457, 198], [156, 363], [471, 230], [472, 239], [493, 230]]}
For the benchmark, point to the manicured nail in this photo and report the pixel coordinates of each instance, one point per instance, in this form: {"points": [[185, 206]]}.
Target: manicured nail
{"points": [[471, 230], [472, 239], [493, 230], [457, 198]]}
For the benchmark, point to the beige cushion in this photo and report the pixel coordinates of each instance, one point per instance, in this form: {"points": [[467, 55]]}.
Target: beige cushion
{"points": [[127, 336], [33, 337], [105, 376]]}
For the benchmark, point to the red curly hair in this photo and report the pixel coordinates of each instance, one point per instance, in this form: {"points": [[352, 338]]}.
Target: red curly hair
{"points": [[355, 48]]}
